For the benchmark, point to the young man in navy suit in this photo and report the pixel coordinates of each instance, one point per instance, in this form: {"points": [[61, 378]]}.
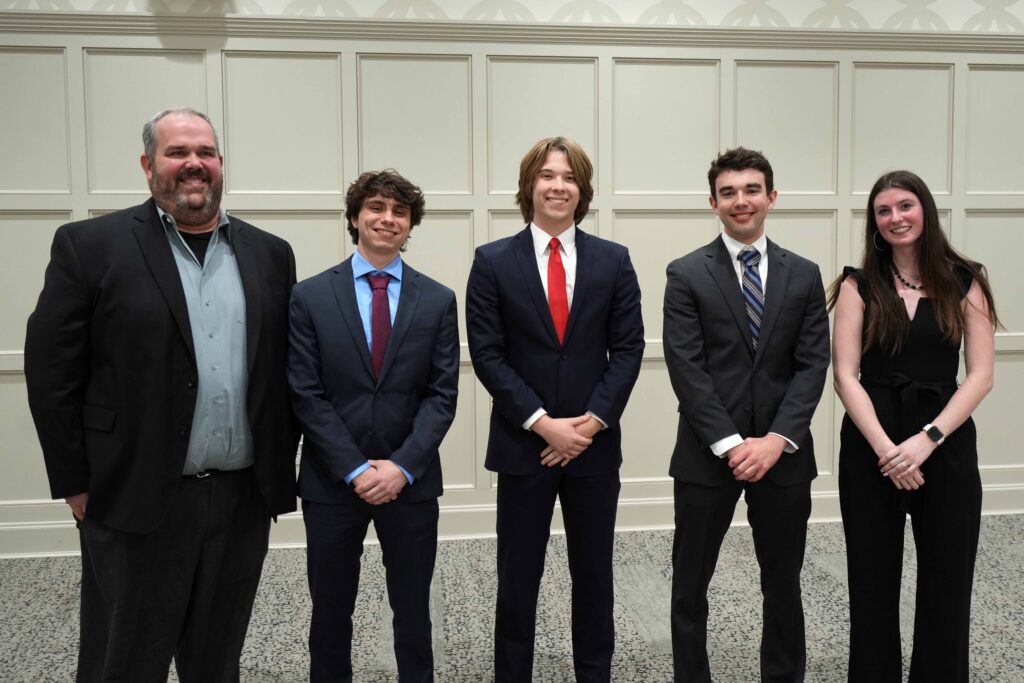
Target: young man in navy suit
{"points": [[556, 337], [747, 349], [373, 368]]}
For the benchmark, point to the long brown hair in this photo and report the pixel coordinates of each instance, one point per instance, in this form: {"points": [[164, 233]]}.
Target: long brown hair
{"points": [[533, 162], [887, 322]]}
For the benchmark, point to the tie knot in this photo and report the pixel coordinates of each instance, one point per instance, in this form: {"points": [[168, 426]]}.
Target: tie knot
{"points": [[379, 281], [554, 244], [750, 256]]}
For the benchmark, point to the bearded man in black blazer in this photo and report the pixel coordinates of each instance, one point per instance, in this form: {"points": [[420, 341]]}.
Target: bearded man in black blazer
{"points": [[556, 338], [374, 373], [747, 350], [155, 366]]}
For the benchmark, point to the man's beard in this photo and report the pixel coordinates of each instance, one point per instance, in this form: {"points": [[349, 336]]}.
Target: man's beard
{"points": [[183, 205]]}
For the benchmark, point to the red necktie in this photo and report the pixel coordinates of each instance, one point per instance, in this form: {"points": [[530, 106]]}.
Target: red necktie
{"points": [[380, 319], [558, 302]]}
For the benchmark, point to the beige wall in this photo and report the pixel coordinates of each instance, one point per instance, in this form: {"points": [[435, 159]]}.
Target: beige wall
{"points": [[303, 107]]}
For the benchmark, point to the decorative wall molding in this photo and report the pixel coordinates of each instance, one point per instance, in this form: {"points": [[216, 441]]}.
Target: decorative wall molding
{"points": [[83, 23]]}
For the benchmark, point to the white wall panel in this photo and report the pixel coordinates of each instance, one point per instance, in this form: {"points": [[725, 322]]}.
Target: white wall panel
{"points": [[995, 145], [34, 111], [442, 247], [22, 268], [503, 223], [998, 417], [996, 239], [459, 461], [656, 238], [649, 425], [789, 111], [318, 238], [669, 108], [902, 118], [24, 475], [123, 90], [414, 115], [530, 99], [283, 121]]}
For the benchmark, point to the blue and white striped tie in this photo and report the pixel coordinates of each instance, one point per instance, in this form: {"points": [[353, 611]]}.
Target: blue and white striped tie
{"points": [[753, 293]]}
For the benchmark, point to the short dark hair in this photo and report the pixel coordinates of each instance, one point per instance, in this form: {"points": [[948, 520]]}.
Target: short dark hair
{"points": [[740, 159], [388, 183], [533, 162]]}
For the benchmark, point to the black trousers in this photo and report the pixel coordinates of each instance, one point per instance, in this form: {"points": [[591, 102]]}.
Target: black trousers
{"points": [[945, 516], [407, 532], [525, 507], [778, 519], [184, 591]]}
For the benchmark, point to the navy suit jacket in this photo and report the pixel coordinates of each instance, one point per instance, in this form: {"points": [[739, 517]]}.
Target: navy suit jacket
{"points": [[723, 386], [111, 368], [518, 358], [349, 416]]}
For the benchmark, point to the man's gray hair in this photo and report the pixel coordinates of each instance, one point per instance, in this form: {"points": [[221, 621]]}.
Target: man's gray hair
{"points": [[149, 130]]}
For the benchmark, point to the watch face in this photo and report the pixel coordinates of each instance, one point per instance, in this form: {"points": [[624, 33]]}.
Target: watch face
{"points": [[934, 434]]}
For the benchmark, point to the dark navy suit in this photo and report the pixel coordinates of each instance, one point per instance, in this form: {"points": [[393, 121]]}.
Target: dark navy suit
{"points": [[349, 416], [519, 360]]}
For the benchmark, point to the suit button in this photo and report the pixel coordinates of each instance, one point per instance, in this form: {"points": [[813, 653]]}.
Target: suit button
{"points": [[192, 384], [182, 432]]}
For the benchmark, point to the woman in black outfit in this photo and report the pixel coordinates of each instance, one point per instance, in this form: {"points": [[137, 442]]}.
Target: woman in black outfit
{"points": [[908, 443]]}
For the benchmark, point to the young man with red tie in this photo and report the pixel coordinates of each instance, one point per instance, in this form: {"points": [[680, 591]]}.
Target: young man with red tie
{"points": [[556, 338]]}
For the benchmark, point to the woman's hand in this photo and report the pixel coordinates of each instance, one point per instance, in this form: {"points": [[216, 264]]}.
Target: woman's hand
{"points": [[907, 458]]}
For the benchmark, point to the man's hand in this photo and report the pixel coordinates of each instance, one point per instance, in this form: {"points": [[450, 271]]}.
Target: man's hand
{"points": [[386, 485], [78, 503], [567, 437], [752, 459]]}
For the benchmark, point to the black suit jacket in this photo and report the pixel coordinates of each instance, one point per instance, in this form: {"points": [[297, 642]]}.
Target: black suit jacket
{"points": [[724, 387], [519, 360], [348, 415], [111, 371]]}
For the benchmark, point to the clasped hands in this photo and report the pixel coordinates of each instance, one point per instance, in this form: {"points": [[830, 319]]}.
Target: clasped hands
{"points": [[381, 483], [751, 460], [902, 463], [566, 437]]}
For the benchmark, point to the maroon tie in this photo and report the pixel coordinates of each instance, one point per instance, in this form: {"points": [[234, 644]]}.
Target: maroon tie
{"points": [[558, 301], [380, 319]]}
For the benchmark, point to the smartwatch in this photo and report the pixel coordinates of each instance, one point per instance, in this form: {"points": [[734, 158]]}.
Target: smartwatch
{"points": [[934, 433]]}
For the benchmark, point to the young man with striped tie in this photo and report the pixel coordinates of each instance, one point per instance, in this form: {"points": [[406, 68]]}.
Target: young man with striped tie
{"points": [[747, 348]]}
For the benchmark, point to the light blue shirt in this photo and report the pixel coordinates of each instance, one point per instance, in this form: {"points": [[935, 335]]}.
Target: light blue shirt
{"points": [[220, 437], [364, 302]]}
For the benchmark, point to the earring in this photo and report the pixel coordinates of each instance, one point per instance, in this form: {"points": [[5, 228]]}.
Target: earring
{"points": [[874, 240]]}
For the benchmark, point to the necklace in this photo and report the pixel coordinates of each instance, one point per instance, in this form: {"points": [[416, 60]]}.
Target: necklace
{"points": [[906, 284]]}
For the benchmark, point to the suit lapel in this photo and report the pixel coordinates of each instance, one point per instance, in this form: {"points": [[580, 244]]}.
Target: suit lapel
{"points": [[407, 302], [527, 260], [157, 252], [724, 273], [775, 293], [248, 271], [584, 276], [345, 295]]}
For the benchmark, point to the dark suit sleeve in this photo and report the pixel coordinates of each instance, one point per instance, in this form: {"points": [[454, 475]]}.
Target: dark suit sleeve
{"points": [[322, 427], [625, 347], [57, 368], [683, 340], [810, 366], [488, 346], [437, 406]]}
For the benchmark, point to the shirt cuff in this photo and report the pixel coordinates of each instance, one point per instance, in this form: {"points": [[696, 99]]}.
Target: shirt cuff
{"points": [[406, 473], [604, 425], [528, 425], [722, 446], [790, 446], [356, 472]]}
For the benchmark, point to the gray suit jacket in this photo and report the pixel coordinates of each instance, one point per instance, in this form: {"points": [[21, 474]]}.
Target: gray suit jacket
{"points": [[723, 386]]}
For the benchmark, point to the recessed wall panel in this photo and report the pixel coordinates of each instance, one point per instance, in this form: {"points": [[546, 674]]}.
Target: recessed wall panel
{"points": [[998, 416], [654, 239], [811, 234], [649, 425], [995, 147], [995, 238], [123, 90], [458, 450], [442, 248], [283, 121], [27, 237], [415, 116], [902, 119], [24, 477], [318, 238], [665, 125], [34, 112], [789, 112], [530, 99]]}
